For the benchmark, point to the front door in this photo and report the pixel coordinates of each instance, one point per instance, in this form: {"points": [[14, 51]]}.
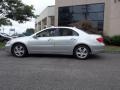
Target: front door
{"points": [[43, 42]]}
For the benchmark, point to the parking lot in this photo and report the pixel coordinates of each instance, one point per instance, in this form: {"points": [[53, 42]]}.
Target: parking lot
{"points": [[58, 72]]}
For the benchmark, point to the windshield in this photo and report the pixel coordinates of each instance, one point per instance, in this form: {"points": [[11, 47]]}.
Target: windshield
{"points": [[4, 34]]}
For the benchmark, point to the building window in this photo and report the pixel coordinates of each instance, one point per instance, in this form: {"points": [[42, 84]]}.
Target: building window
{"points": [[91, 12], [52, 20]]}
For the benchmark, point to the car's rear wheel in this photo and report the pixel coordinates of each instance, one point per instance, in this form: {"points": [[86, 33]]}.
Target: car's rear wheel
{"points": [[82, 52], [19, 50]]}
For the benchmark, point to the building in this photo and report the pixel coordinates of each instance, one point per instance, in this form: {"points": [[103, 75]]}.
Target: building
{"points": [[46, 18], [103, 14]]}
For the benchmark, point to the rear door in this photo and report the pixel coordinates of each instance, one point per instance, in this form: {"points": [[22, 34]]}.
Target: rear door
{"points": [[65, 40]]}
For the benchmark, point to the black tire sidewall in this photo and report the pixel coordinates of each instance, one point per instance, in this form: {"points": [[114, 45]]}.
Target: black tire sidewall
{"points": [[25, 50], [86, 49]]}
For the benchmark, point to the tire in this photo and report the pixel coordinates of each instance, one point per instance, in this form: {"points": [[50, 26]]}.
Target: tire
{"points": [[81, 52], [19, 50]]}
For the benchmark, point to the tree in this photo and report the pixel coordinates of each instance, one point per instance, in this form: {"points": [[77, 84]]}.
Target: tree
{"points": [[14, 10], [29, 32]]}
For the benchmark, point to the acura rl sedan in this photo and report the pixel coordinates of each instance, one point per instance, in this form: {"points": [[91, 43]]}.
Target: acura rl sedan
{"points": [[57, 40]]}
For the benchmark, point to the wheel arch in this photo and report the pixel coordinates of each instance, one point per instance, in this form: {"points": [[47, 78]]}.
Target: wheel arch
{"points": [[19, 43], [82, 44]]}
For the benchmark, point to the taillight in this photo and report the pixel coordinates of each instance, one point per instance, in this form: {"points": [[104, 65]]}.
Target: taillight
{"points": [[100, 40]]}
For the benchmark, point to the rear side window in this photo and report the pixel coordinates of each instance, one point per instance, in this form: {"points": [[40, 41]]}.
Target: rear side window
{"points": [[66, 32]]}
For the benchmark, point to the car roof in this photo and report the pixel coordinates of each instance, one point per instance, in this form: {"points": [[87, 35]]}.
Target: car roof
{"points": [[60, 27], [74, 28]]}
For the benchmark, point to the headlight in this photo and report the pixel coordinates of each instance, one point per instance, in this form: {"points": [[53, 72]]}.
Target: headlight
{"points": [[8, 42]]}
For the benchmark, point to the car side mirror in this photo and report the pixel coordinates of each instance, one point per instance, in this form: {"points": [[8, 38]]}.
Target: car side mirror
{"points": [[35, 36]]}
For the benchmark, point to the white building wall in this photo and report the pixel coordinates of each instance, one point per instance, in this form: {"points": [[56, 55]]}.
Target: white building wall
{"points": [[49, 11], [46, 14], [112, 23]]}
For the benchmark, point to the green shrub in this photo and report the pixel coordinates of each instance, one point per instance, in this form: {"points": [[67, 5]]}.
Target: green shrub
{"points": [[115, 40], [2, 45], [107, 40]]}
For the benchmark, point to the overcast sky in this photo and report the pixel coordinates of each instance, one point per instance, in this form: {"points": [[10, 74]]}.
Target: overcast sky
{"points": [[39, 6]]}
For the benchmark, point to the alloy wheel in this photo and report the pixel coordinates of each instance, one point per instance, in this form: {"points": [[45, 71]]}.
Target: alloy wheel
{"points": [[19, 50], [82, 52]]}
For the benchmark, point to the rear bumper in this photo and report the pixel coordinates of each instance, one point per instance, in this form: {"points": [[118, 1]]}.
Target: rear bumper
{"points": [[97, 49]]}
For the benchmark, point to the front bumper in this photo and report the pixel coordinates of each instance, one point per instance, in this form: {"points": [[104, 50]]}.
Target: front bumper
{"points": [[8, 48]]}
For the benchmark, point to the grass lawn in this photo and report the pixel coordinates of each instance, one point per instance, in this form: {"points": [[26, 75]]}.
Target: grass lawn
{"points": [[2, 45], [112, 48]]}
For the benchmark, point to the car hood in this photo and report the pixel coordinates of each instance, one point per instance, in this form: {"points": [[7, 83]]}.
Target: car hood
{"points": [[6, 36], [21, 39]]}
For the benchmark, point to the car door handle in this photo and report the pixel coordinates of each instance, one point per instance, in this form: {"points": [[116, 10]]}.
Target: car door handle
{"points": [[72, 39], [50, 40]]}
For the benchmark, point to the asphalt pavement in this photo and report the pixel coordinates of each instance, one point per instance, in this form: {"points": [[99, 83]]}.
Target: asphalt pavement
{"points": [[59, 72]]}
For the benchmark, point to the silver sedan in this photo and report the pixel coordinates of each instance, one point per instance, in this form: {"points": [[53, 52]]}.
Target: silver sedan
{"points": [[57, 40]]}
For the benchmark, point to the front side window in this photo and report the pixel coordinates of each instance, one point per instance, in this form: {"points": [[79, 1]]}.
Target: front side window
{"points": [[46, 33]]}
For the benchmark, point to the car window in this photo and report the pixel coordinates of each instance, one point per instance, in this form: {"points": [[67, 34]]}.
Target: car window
{"points": [[47, 33], [66, 32]]}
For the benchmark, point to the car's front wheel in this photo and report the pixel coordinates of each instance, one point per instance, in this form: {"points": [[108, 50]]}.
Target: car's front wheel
{"points": [[19, 50], [82, 52]]}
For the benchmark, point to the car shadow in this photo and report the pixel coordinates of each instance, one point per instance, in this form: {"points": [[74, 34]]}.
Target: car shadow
{"points": [[50, 56], [54, 56], [96, 57]]}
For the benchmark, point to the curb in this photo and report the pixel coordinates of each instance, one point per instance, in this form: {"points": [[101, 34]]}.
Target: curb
{"points": [[114, 52]]}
